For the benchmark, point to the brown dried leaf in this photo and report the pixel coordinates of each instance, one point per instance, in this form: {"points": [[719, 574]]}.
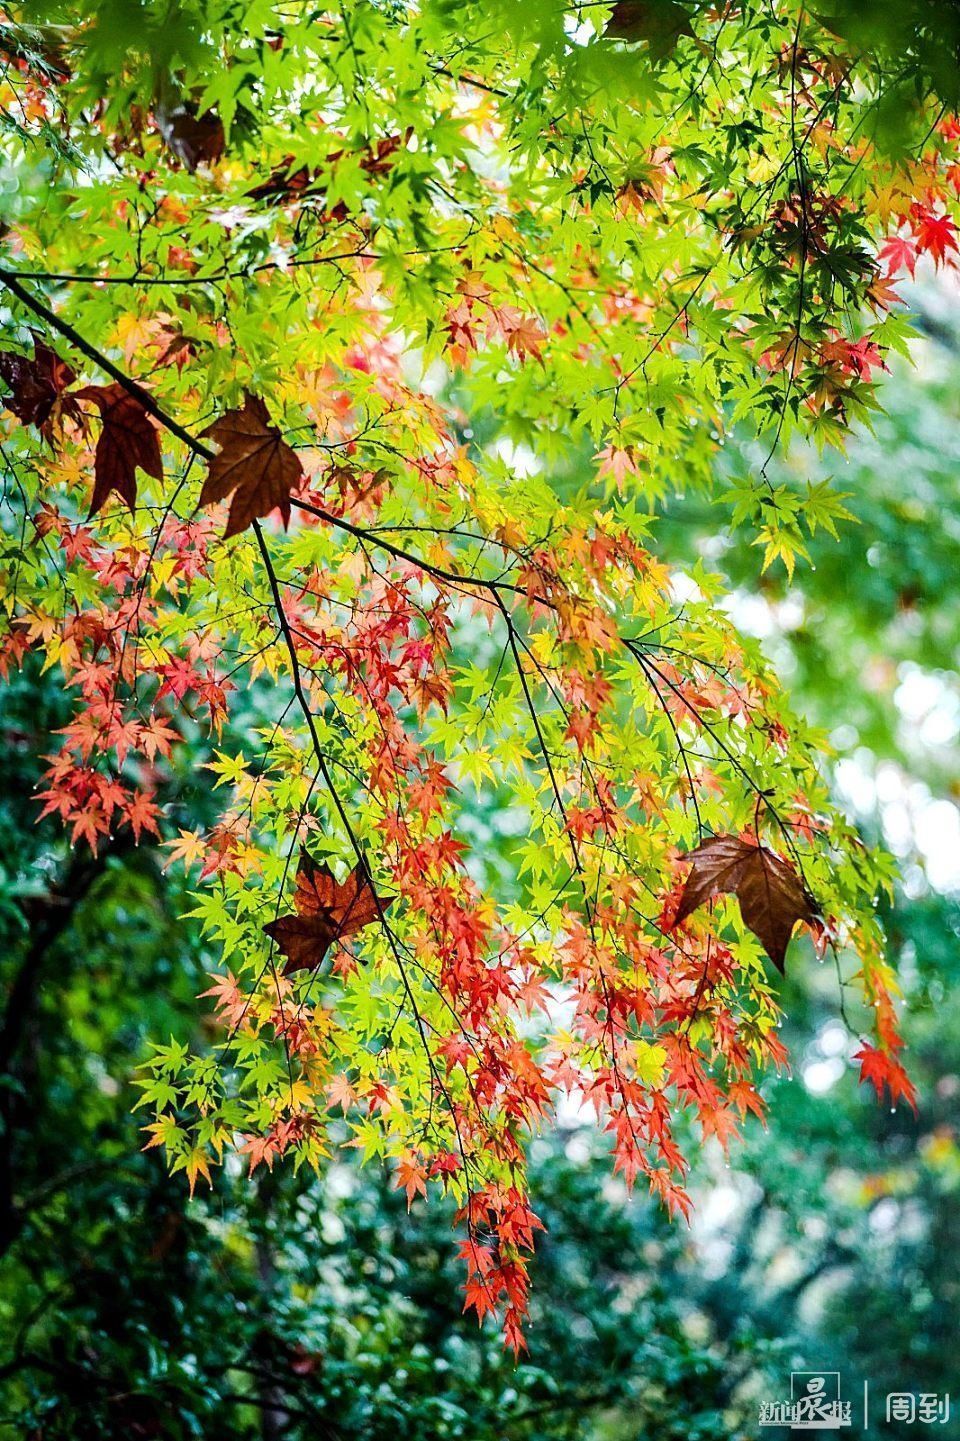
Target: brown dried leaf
{"points": [[285, 182], [772, 896], [325, 910], [193, 138], [36, 384], [659, 23], [254, 462], [128, 439]]}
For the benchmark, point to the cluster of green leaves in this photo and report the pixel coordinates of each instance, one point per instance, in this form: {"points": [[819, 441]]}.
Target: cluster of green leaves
{"points": [[640, 200]]}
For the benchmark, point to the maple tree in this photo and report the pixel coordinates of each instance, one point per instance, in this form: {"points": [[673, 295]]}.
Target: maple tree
{"points": [[460, 296]]}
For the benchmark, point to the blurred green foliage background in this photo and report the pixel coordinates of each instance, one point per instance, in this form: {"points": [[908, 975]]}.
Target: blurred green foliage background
{"points": [[287, 1307]]}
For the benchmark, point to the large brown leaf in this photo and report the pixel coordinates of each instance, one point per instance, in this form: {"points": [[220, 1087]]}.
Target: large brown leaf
{"points": [[128, 439], [254, 462], [285, 182], [772, 896], [195, 139], [36, 384], [659, 23], [325, 910]]}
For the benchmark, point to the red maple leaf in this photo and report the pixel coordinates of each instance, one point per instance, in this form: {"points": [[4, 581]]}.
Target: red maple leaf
{"points": [[231, 1003], [884, 1071], [935, 234], [261, 1150], [899, 253], [411, 1178], [141, 815]]}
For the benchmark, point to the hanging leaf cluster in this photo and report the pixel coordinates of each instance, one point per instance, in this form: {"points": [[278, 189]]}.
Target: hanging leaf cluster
{"points": [[349, 356]]}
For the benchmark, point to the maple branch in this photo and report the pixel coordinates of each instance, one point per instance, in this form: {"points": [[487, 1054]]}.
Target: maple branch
{"points": [[497, 589], [69, 332], [11, 280], [766, 190], [762, 795], [490, 586], [64, 328], [304, 703], [182, 282], [438, 572]]}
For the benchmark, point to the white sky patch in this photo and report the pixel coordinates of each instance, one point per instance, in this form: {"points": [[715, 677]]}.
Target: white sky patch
{"points": [[821, 1076], [761, 617], [574, 1110], [517, 457], [684, 587], [580, 32], [914, 821]]}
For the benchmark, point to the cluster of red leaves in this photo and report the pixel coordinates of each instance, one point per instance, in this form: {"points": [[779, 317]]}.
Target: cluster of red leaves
{"points": [[805, 236], [501, 1229], [476, 315], [922, 230], [922, 225], [105, 774], [881, 1064]]}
